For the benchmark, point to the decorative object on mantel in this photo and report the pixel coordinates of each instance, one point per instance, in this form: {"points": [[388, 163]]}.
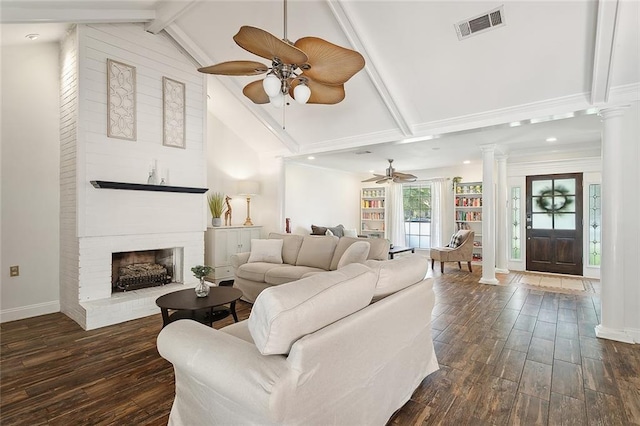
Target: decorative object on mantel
{"points": [[121, 100], [173, 113], [287, 225], [248, 188], [227, 213], [311, 70], [105, 184], [215, 201], [200, 271], [153, 173]]}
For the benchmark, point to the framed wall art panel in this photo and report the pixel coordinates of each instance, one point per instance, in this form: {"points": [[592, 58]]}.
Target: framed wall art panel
{"points": [[173, 113], [121, 100]]}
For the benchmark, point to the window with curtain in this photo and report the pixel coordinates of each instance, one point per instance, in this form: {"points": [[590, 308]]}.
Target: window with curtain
{"points": [[417, 215]]}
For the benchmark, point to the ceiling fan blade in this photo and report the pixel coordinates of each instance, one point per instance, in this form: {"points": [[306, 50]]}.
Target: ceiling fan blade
{"points": [[256, 93], [399, 179], [235, 68], [330, 63], [376, 177], [382, 180], [320, 93], [404, 175], [262, 43]]}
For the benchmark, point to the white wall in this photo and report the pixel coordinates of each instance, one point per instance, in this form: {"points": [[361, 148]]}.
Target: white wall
{"points": [[317, 196], [30, 180]]}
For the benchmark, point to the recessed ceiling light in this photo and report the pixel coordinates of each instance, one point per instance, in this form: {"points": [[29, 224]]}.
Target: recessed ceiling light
{"points": [[466, 162], [32, 37], [311, 157], [370, 171], [515, 124], [435, 148], [551, 139]]}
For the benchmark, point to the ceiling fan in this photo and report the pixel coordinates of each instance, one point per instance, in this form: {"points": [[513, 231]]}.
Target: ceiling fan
{"points": [[392, 175], [311, 70]]}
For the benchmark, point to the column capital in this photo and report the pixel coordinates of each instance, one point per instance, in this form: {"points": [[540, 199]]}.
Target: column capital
{"points": [[488, 147], [617, 111], [502, 158]]}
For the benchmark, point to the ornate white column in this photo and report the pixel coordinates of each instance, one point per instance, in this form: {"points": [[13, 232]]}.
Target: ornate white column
{"points": [[488, 216], [611, 268], [502, 234]]}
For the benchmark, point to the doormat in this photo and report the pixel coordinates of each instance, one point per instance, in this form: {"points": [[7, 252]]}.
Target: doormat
{"points": [[547, 281]]}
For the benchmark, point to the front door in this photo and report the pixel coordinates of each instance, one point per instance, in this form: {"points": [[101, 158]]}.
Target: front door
{"points": [[554, 223]]}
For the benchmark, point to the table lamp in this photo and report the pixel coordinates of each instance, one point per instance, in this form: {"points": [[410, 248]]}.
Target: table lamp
{"points": [[248, 188]]}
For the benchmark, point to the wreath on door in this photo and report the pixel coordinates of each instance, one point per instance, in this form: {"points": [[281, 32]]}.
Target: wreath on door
{"points": [[558, 194]]}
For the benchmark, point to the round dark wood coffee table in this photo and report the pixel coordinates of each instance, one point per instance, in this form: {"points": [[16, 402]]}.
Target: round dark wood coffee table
{"points": [[186, 304]]}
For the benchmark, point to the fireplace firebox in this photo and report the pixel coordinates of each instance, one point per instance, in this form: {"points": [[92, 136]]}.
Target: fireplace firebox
{"points": [[149, 268]]}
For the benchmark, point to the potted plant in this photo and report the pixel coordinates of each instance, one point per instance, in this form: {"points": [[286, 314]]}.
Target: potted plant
{"points": [[216, 205], [201, 271]]}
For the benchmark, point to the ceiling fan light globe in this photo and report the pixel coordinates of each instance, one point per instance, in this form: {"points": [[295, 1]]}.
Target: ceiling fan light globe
{"points": [[301, 93], [277, 101], [271, 85]]}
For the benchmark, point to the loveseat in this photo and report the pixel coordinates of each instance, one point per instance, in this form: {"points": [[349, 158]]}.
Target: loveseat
{"points": [[345, 347], [299, 256]]}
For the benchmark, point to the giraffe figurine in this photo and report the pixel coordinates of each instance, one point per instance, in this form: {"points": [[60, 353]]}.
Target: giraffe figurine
{"points": [[227, 213]]}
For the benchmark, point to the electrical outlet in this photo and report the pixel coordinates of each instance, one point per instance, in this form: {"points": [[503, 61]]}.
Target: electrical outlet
{"points": [[14, 271]]}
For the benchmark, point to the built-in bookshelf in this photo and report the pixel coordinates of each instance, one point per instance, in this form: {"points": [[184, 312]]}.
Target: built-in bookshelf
{"points": [[373, 212], [468, 212]]}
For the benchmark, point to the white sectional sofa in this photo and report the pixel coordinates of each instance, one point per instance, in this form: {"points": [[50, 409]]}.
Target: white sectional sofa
{"points": [[302, 255], [345, 347]]}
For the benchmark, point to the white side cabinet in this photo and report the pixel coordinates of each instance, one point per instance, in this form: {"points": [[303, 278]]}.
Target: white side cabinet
{"points": [[220, 243]]}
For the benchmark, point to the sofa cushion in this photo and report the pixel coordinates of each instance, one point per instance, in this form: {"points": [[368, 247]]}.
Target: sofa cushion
{"points": [[394, 275], [239, 330], [317, 251], [283, 314], [277, 276], [378, 249], [356, 253], [290, 246], [256, 271], [269, 251]]}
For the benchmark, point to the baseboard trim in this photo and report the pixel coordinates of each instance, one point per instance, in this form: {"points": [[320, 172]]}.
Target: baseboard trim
{"points": [[502, 271], [614, 334], [13, 314]]}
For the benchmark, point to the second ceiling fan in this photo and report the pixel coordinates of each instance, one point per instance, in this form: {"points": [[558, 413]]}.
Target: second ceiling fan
{"points": [[392, 175], [311, 70]]}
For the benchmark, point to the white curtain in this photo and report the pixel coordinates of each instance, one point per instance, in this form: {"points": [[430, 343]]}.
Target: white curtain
{"points": [[439, 212], [396, 215]]}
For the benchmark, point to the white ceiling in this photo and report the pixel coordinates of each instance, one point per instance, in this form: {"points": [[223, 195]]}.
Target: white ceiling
{"points": [[425, 98]]}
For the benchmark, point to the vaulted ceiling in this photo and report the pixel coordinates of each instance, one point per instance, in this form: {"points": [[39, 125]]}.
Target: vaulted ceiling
{"points": [[422, 87]]}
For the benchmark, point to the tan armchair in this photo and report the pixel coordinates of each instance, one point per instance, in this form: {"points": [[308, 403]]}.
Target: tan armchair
{"points": [[462, 253]]}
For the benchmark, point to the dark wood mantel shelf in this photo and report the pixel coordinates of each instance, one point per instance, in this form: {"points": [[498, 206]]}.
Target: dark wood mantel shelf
{"points": [[146, 187]]}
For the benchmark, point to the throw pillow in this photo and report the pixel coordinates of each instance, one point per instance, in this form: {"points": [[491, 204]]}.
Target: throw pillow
{"points": [[456, 240], [351, 233], [269, 251], [318, 230], [329, 233], [338, 231]]}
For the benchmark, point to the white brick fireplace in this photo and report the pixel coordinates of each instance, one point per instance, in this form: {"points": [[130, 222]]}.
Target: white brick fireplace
{"points": [[97, 222]]}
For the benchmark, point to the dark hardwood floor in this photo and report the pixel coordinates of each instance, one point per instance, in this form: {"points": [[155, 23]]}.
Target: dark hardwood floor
{"points": [[509, 354]]}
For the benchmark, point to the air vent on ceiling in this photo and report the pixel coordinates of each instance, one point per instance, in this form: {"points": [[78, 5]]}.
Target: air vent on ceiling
{"points": [[472, 26]]}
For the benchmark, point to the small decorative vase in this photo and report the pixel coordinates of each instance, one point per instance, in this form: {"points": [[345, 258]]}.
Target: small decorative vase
{"points": [[216, 222], [202, 289]]}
